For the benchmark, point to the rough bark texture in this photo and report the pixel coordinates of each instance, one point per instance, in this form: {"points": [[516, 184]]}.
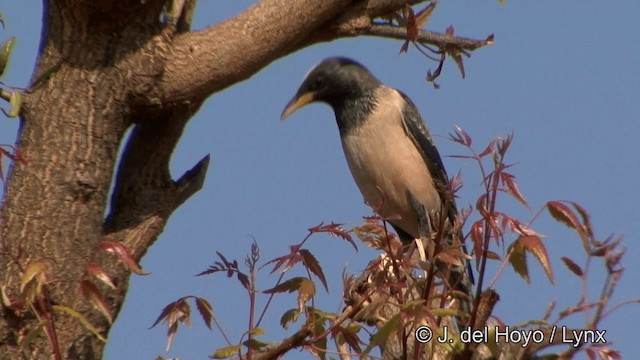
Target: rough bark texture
{"points": [[104, 67]]}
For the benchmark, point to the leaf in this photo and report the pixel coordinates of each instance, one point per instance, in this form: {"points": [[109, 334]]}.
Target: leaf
{"points": [[440, 312], [571, 265], [87, 325], [489, 149], [226, 352], [256, 331], [477, 237], [16, 103], [290, 286], [349, 334], [373, 234], [290, 260], [289, 317], [451, 257], [255, 344], [512, 188], [306, 291], [518, 260], [563, 214], [205, 309], [173, 314], [516, 226], [457, 58], [383, 334], [5, 51], [96, 271], [311, 263], [91, 292], [315, 320], [35, 276], [334, 230], [244, 280], [503, 144], [586, 220], [123, 254], [533, 245], [460, 136], [178, 312]]}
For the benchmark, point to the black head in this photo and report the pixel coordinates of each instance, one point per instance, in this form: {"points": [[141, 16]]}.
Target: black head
{"points": [[334, 81]]}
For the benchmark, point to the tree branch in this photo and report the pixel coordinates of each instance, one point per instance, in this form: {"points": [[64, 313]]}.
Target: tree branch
{"points": [[296, 340], [207, 61], [428, 37], [204, 62], [144, 194]]}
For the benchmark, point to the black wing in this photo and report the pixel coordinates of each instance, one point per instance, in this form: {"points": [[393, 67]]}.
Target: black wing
{"points": [[417, 131]]}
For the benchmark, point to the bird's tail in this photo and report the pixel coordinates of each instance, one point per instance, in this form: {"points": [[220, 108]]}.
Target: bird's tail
{"points": [[459, 278], [460, 281]]}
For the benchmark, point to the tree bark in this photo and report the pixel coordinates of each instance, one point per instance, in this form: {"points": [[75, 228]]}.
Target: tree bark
{"points": [[104, 67]]}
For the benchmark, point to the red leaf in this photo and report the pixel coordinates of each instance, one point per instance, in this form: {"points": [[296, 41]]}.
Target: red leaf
{"points": [[335, 230], [96, 271], [205, 310], [460, 136], [123, 254], [563, 214], [290, 260], [586, 220], [477, 236], [90, 292], [512, 188], [450, 30], [457, 58], [503, 144], [534, 245], [572, 266], [489, 149], [311, 263]]}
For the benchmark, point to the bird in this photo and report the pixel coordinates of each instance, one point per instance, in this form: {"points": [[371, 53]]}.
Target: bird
{"points": [[389, 151]]}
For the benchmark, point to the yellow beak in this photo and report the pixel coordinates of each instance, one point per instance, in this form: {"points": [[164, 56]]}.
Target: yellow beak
{"points": [[296, 103]]}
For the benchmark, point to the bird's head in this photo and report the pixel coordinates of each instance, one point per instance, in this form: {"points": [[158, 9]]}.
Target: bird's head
{"points": [[332, 81]]}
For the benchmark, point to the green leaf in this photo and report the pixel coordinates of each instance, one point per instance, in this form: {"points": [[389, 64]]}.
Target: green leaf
{"points": [[16, 103], [256, 331], [290, 286], [87, 325], [5, 51], [289, 317], [226, 352], [383, 334], [255, 344]]}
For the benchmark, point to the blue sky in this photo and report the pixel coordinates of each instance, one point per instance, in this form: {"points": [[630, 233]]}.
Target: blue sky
{"points": [[561, 76]]}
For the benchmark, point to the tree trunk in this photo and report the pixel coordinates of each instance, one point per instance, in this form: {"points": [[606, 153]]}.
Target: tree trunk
{"points": [[104, 67], [93, 62]]}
